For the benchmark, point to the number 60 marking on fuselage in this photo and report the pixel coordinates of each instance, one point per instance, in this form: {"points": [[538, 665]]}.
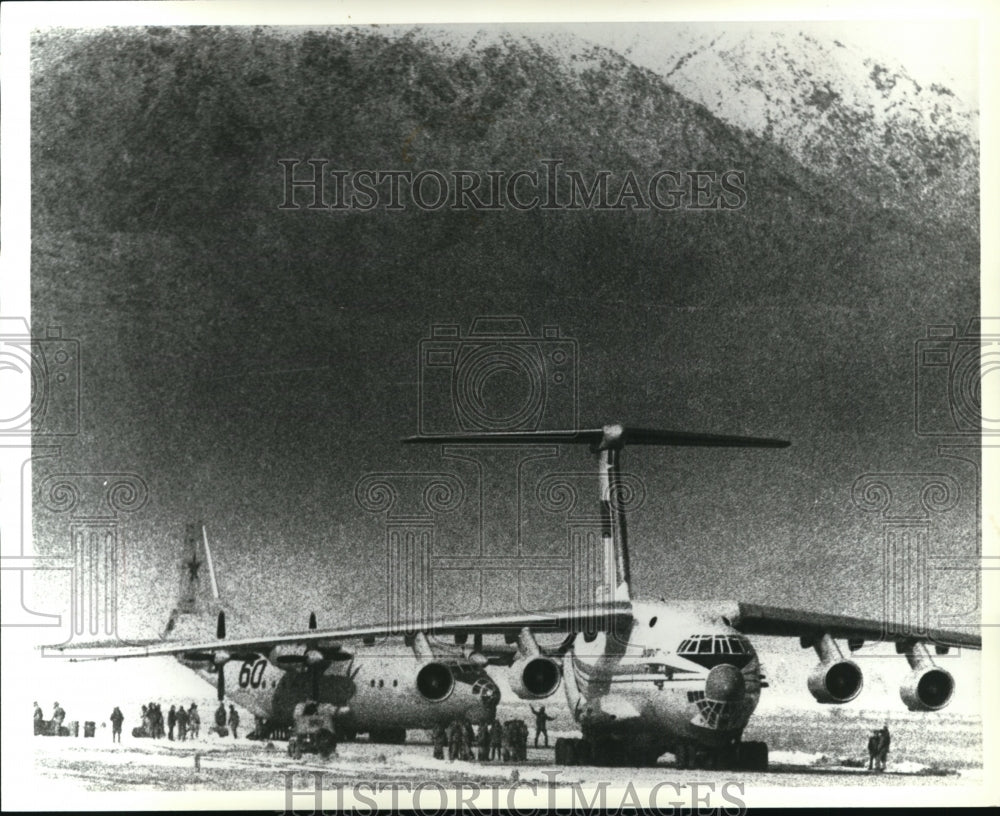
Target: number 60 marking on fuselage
{"points": [[252, 673]]}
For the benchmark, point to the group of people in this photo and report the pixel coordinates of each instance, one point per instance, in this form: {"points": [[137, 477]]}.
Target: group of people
{"points": [[186, 720], [53, 726], [152, 726], [221, 720], [494, 740], [878, 748]]}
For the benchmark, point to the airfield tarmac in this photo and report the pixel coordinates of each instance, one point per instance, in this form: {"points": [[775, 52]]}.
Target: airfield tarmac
{"points": [[95, 765]]}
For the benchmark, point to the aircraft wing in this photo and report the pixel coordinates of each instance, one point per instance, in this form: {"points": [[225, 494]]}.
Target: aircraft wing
{"points": [[616, 617], [754, 619]]}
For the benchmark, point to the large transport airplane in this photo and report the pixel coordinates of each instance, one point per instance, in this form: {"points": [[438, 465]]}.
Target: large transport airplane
{"points": [[642, 678]]}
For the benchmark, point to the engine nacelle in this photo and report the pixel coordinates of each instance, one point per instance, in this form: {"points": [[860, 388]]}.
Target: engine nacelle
{"points": [[836, 679], [533, 675], [838, 682], [435, 682], [535, 678], [928, 687]]}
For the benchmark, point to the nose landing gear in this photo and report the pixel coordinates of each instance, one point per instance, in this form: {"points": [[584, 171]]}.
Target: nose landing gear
{"points": [[740, 756], [604, 752]]}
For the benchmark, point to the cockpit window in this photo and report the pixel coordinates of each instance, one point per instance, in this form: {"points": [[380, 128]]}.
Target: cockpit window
{"points": [[711, 650]]}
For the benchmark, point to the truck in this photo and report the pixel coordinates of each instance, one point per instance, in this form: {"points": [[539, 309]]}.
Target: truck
{"points": [[314, 730]]}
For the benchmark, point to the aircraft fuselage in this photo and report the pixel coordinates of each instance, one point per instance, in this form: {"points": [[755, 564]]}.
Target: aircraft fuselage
{"points": [[376, 689]]}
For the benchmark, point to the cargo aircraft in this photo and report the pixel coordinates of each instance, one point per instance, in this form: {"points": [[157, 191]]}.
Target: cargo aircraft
{"points": [[642, 678]]}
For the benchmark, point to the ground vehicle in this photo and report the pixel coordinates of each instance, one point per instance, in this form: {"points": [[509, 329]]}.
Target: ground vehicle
{"points": [[314, 730]]}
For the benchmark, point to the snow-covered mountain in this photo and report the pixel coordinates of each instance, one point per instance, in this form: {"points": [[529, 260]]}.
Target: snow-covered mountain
{"points": [[844, 111], [839, 109]]}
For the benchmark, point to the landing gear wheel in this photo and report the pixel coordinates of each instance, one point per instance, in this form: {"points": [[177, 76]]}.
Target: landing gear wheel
{"points": [[605, 752], [753, 756]]}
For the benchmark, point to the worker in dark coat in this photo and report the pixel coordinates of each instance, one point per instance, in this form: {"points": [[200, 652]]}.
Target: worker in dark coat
{"points": [[484, 742], [171, 722], [872, 749], [439, 737], [234, 719], [117, 718], [469, 742], [182, 723], [541, 727], [194, 721], [883, 747], [38, 719], [220, 718], [496, 740], [456, 736], [512, 740], [157, 717]]}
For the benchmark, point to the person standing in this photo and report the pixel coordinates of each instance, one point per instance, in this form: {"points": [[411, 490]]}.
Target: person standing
{"points": [[883, 747], [220, 718], [454, 739], [171, 722], [194, 721], [38, 719], [234, 719], [873, 742], [496, 740], [439, 737], [182, 723], [157, 710], [541, 724], [484, 741], [117, 718], [468, 741], [58, 715]]}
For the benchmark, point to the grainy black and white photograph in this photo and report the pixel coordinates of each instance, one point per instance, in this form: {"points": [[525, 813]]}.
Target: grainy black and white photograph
{"points": [[404, 414]]}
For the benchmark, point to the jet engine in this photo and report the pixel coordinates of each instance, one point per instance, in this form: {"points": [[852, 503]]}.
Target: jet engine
{"points": [[835, 679], [533, 675], [435, 682], [928, 687]]}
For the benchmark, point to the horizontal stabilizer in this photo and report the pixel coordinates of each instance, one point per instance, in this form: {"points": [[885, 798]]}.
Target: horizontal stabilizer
{"points": [[610, 436]]}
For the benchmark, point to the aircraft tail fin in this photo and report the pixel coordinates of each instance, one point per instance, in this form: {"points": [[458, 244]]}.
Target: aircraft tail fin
{"points": [[608, 442], [614, 531], [199, 604]]}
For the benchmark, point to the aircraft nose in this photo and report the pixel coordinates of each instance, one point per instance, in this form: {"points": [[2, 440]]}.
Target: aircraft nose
{"points": [[724, 684]]}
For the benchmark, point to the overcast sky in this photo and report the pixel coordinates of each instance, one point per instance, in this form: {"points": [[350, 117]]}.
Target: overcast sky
{"points": [[759, 525]]}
